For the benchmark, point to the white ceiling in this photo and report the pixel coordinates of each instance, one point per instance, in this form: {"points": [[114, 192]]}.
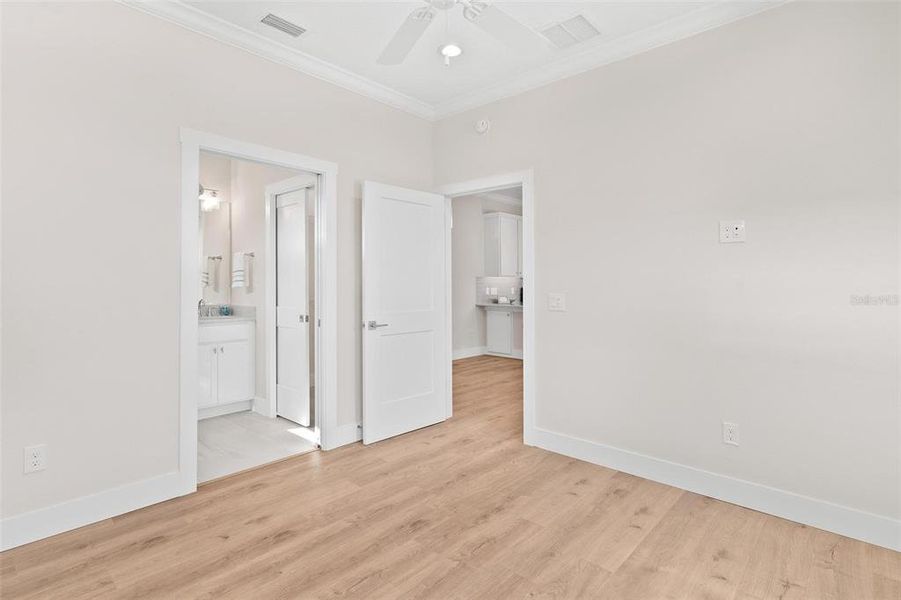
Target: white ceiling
{"points": [[343, 40]]}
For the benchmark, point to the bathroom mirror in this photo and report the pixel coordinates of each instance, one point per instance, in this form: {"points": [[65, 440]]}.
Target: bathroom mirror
{"points": [[215, 229]]}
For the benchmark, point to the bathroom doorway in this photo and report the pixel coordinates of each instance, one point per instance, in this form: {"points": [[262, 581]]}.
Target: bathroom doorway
{"points": [[257, 224], [258, 272]]}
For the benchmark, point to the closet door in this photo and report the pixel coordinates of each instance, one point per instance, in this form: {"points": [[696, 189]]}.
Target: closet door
{"points": [[292, 388]]}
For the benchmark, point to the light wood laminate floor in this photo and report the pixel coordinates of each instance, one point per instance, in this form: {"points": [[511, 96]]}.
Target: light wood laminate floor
{"points": [[231, 443], [459, 510]]}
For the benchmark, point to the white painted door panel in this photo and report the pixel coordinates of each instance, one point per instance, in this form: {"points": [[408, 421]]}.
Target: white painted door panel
{"points": [[292, 389], [206, 368], [405, 352], [235, 371], [492, 245], [509, 233]]}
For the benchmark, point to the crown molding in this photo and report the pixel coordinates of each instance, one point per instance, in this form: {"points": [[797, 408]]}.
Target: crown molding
{"points": [[693, 23], [206, 24]]}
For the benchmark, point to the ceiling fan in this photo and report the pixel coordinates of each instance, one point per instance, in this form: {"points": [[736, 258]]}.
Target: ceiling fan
{"points": [[481, 13]]}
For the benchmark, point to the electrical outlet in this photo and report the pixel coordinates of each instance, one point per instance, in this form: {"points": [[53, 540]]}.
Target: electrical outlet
{"points": [[732, 232], [730, 433], [35, 458], [556, 302]]}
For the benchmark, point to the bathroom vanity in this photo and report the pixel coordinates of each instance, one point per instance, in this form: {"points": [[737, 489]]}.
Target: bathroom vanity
{"points": [[226, 365]]}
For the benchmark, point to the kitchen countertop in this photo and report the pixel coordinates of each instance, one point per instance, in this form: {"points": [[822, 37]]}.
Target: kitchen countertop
{"points": [[496, 306]]}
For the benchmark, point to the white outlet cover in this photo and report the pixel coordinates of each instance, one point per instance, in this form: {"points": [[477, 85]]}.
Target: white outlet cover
{"points": [[556, 301], [732, 232], [730, 433], [35, 458]]}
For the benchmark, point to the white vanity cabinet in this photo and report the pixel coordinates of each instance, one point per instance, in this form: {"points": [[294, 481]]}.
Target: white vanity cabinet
{"points": [[503, 245], [226, 366]]}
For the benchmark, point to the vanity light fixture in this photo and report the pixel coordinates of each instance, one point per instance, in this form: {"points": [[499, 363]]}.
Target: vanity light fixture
{"points": [[209, 199]]}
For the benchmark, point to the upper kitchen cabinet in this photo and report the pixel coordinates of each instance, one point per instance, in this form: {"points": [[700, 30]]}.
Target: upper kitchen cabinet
{"points": [[503, 245]]}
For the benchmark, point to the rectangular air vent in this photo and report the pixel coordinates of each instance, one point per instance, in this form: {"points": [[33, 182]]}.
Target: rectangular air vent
{"points": [[283, 25], [570, 32]]}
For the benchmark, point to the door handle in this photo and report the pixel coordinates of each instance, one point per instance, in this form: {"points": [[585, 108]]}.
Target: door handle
{"points": [[373, 325]]}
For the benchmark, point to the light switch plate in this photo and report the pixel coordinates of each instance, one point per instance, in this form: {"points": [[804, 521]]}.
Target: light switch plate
{"points": [[732, 232], [556, 301]]}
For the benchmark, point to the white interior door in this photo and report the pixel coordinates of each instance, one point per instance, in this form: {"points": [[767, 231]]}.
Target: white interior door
{"points": [[405, 351], [292, 389]]}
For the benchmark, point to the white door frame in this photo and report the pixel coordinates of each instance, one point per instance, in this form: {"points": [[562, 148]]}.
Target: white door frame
{"points": [[272, 191], [192, 142], [488, 184]]}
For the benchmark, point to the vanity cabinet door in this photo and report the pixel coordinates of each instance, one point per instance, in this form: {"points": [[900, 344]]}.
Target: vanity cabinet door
{"points": [[499, 331], [235, 371], [206, 367]]}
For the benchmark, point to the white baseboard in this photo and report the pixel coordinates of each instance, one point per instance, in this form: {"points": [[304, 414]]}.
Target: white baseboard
{"points": [[517, 354], [45, 522], [850, 522], [223, 409], [468, 352], [344, 435]]}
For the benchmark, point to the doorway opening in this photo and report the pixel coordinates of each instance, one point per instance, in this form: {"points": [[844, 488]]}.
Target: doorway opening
{"points": [[258, 306], [257, 293], [492, 281]]}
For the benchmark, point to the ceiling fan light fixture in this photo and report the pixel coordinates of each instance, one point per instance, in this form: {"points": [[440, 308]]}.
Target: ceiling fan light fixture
{"points": [[450, 50]]}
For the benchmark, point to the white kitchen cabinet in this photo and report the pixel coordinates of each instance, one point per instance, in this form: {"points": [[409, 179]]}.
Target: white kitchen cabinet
{"points": [[519, 246], [226, 366], [503, 245], [499, 332]]}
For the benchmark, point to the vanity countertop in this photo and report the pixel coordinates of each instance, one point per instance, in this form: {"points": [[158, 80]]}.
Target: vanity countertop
{"points": [[497, 306], [225, 320]]}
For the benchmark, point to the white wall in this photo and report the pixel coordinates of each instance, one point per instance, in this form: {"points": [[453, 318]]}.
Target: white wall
{"points": [[95, 93], [789, 120]]}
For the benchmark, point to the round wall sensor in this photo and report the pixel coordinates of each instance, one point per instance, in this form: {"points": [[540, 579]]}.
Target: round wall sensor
{"points": [[482, 126]]}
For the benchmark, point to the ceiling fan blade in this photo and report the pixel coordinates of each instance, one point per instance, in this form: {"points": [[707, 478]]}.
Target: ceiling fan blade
{"points": [[406, 37], [500, 25]]}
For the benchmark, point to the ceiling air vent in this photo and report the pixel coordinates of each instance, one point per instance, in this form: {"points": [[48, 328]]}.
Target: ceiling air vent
{"points": [[283, 25], [570, 32]]}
